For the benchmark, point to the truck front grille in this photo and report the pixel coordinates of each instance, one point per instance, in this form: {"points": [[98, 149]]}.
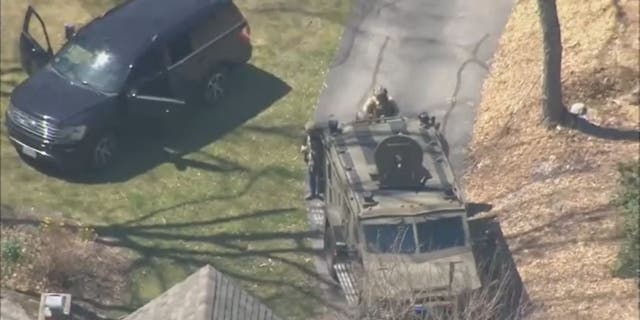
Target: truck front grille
{"points": [[31, 124]]}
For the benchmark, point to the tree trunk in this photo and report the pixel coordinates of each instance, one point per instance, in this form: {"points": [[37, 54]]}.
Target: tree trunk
{"points": [[554, 111]]}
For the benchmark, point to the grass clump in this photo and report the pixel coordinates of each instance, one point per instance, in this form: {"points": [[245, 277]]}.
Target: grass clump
{"points": [[12, 253], [628, 200]]}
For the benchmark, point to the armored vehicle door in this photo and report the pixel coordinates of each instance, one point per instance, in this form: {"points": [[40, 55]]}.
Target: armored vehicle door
{"points": [[33, 54]]}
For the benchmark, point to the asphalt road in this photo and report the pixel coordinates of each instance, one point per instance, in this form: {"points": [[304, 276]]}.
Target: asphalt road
{"points": [[425, 52], [432, 55]]}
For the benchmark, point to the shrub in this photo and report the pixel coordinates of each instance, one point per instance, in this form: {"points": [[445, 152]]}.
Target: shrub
{"points": [[11, 251], [628, 201]]}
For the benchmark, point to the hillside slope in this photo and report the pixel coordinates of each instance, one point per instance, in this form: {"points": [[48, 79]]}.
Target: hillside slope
{"points": [[552, 189]]}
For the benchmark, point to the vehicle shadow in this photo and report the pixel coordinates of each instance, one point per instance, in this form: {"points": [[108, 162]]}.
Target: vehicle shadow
{"points": [[502, 288], [143, 147]]}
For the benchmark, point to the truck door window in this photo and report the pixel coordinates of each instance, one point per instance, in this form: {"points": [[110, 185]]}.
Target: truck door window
{"points": [[179, 48], [150, 64], [38, 31], [223, 18], [207, 31], [148, 74]]}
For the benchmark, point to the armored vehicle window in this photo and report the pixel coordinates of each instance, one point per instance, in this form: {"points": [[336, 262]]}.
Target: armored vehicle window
{"points": [[390, 238], [440, 234]]}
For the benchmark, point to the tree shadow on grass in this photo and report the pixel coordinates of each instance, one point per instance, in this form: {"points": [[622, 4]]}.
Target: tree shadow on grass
{"points": [[143, 147], [10, 72], [192, 245], [606, 133]]}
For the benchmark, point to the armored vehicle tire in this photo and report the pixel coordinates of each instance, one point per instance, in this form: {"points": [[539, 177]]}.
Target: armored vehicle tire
{"points": [[329, 249]]}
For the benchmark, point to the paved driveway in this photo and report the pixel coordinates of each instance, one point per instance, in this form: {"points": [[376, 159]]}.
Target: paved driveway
{"points": [[425, 52]]}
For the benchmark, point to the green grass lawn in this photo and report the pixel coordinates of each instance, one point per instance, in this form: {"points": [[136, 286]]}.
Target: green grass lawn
{"points": [[234, 199]]}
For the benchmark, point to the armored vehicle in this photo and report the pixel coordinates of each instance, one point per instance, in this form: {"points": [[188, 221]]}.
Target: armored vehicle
{"points": [[396, 224]]}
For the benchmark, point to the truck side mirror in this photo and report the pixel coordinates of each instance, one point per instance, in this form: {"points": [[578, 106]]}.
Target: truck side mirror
{"points": [[343, 251], [132, 93], [69, 31]]}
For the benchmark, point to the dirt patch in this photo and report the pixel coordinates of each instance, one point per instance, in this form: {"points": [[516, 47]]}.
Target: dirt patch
{"points": [[57, 256], [552, 189]]}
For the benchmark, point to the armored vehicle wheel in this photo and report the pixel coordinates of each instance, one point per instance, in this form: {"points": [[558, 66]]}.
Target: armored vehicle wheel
{"points": [[330, 249]]}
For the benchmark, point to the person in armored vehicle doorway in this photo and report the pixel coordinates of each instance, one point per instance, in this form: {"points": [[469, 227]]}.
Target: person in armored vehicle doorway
{"points": [[380, 104], [312, 150]]}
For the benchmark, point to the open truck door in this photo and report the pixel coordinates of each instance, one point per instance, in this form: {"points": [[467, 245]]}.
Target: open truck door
{"points": [[33, 54]]}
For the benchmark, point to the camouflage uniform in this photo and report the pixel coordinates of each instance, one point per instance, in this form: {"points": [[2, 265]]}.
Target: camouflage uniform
{"points": [[380, 104], [312, 150]]}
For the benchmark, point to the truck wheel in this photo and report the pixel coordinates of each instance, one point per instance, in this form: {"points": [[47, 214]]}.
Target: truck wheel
{"points": [[104, 151], [214, 86], [329, 249]]}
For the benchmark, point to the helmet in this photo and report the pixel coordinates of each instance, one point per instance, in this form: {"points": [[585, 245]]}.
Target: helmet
{"points": [[309, 126], [380, 93]]}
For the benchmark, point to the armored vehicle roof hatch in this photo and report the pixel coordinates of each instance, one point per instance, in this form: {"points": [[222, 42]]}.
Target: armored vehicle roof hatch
{"points": [[394, 167]]}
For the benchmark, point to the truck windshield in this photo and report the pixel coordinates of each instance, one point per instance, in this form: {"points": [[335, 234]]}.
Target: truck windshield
{"points": [[390, 238], [440, 234], [92, 65], [432, 235]]}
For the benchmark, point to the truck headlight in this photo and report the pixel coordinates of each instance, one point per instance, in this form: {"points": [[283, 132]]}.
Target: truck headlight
{"points": [[73, 133], [10, 110]]}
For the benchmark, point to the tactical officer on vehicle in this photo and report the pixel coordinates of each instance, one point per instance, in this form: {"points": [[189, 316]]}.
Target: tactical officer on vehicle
{"points": [[312, 150], [380, 104]]}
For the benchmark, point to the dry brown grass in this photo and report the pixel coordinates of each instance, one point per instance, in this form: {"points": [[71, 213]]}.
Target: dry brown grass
{"points": [[384, 294], [61, 259], [552, 189]]}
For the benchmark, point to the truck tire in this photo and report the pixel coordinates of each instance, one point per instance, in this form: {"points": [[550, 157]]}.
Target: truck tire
{"points": [[214, 86], [103, 151]]}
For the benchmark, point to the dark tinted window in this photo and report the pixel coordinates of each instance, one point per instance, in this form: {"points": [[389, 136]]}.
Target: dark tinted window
{"points": [[179, 48], [149, 65], [222, 18], [440, 234], [389, 238]]}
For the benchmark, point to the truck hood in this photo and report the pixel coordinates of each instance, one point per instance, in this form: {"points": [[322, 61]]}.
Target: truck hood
{"points": [[420, 276], [47, 94]]}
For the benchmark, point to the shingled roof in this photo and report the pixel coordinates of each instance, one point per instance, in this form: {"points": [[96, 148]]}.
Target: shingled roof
{"points": [[204, 295]]}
